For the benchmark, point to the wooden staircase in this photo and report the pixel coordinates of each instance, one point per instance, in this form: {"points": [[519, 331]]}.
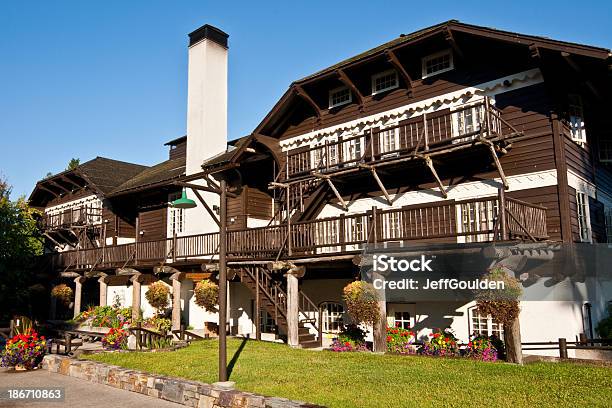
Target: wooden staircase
{"points": [[273, 300]]}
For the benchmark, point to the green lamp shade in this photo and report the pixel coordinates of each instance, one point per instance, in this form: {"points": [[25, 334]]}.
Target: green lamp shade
{"points": [[184, 202]]}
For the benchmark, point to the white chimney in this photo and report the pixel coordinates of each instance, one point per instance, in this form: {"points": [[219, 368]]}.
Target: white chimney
{"points": [[206, 96]]}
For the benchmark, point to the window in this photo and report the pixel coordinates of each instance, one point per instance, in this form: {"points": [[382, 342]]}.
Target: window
{"points": [[437, 63], [392, 225], [475, 217], [332, 317], [608, 221], [384, 81], [340, 96], [353, 149], [467, 121], [176, 216], [388, 141], [402, 319], [481, 325], [576, 119], [266, 322], [584, 225]]}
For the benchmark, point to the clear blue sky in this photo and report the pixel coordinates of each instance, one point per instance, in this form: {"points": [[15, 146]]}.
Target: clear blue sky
{"points": [[108, 78]]}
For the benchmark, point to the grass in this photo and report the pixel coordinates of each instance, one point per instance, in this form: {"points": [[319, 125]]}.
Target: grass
{"points": [[369, 380]]}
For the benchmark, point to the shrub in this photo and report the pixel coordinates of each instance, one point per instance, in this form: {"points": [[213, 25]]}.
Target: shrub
{"points": [[440, 343], [115, 339], [63, 293], [501, 305], [361, 302], [400, 340], [157, 296], [206, 295], [26, 349], [482, 348], [604, 327]]}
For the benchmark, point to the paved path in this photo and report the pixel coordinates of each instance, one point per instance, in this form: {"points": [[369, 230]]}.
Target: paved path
{"points": [[79, 393]]}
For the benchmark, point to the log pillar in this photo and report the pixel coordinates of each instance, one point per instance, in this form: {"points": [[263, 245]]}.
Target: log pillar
{"points": [[78, 289], [380, 326], [103, 281], [176, 279], [293, 318], [136, 280]]}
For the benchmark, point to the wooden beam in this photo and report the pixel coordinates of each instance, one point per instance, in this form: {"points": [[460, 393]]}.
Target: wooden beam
{"points": [[338, 196], [68, 180], [347, 81], [448, 36], [56, 194], [574, 65], [392, 58], [299, 91], [126, 271], [500, 169], [378, 181], [55, 183], [430, 165], [210, 212]]}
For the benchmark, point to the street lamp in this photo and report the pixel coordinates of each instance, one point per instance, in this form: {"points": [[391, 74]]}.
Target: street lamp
{"points": [[184, 202]]}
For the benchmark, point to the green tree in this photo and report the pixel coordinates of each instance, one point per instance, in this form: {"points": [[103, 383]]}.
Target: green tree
{"points": [[73, 164], [20, 244]]}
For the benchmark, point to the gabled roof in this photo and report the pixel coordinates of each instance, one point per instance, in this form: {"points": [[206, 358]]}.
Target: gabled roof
{"points": [[101, 175], [234, 148], [450, 26], [157, 175]]}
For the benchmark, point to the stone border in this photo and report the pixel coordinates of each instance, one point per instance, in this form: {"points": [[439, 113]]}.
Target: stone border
{"points": [[189, 393]]}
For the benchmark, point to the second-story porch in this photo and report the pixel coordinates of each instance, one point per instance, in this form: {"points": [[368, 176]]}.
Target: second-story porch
{"points": [[475, 220]]}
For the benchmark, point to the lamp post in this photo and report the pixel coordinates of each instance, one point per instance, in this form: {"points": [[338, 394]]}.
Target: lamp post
{"points": [[185, 202], [223, 282]]}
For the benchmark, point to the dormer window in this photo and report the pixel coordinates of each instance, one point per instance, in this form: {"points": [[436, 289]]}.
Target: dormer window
{"points": [[437, 63], [384, 81], [340, 96]]}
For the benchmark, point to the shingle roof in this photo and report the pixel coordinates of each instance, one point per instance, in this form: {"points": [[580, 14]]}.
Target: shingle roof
{"points": [[108, 174], [233, 149], [154, 175]]}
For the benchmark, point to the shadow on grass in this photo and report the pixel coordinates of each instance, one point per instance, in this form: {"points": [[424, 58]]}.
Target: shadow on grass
{"points": [[230, 366]]}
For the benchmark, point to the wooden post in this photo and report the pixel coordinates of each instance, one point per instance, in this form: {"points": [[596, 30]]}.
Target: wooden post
{"points": [[512, 337], [289, 234], [182, 332], [176, 299], [342, 232], [12, 328], [136, 239], [320, 326], [103, 290], [583, 339], [502, 214], [487, 115], [174, 247], [78, 289], [292, 308], [67, 343], [380, 326], [374, 227], [257, 307], [136, 296], [138, 335], [425, 131], [562, 348]]}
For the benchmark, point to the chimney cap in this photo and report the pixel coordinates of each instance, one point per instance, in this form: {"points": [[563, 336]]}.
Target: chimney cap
{"points": [[208, 32]]}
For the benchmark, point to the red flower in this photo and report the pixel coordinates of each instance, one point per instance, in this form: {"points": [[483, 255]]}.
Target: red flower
{"points": [[389, 338]]}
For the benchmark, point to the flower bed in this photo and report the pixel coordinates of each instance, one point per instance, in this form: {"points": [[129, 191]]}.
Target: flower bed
{"points": [[115, 339], [351, 338], [105, 316], [441, 343], [24, 350], [400, 341]]}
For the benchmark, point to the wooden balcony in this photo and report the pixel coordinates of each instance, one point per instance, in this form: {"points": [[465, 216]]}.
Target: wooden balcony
{"points": [[72, 217], [478, 220], [425, 134]]}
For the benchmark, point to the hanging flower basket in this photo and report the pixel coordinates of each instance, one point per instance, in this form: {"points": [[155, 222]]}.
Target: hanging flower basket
{"points": [[207, 295], [361, 302], [158, 296], [63, 293]]}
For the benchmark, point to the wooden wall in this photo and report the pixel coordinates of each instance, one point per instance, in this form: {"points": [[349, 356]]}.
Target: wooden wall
{"points": [[153, 223], [252, 203]]}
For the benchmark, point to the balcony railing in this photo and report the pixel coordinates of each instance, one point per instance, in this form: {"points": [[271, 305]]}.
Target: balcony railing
{"points": [[77, 216], [427, 132], [475, 220]]}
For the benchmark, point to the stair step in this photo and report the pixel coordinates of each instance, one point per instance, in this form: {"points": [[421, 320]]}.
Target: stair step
{"points": [[309, 344]]}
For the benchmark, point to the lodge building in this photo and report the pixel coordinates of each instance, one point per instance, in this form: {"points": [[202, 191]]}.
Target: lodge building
{"points": [[455, 133]]}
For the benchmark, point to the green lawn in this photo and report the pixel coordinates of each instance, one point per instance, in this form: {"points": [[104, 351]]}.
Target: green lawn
{"points": [[368, 380]]}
